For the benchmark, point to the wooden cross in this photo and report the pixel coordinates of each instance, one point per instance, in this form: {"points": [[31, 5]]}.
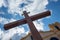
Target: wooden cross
{"points": [[35, 34]]}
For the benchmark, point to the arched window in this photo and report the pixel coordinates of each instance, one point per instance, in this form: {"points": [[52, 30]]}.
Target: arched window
{"points": [[57, 27], [54, 38], [31, 37]]}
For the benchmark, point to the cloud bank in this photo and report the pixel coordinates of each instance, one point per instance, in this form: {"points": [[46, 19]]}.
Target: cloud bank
{"points": [[17, 7]]}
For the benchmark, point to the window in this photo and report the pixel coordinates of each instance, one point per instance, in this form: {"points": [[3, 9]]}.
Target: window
{"points": [[54, 38], [31, 38], [57, 27]]}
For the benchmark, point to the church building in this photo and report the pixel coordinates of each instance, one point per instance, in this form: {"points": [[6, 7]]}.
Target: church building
{"points": [[52, 34]]}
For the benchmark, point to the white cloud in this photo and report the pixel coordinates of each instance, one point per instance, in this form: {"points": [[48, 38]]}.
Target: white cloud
{"points": [[20, 33], [14, 6], [39, 25], [5, 21], [2, 3], [35, 7], [1, 32], [11, 20], [11, 32]]}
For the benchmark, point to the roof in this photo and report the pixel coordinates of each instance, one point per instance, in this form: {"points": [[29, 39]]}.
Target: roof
{"points": [[42, 33]]}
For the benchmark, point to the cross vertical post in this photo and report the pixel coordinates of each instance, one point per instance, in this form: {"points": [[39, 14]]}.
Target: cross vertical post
{"points": [[35, 34]]}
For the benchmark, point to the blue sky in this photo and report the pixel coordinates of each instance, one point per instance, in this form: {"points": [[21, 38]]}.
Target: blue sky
{"points": [[55, 17], [12, 11]]}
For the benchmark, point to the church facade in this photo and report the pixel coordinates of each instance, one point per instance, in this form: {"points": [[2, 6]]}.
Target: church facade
{"points": [[53, 34]]}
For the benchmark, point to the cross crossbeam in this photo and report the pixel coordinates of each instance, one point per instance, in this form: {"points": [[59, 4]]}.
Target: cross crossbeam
{"points": [[23, 21]]}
